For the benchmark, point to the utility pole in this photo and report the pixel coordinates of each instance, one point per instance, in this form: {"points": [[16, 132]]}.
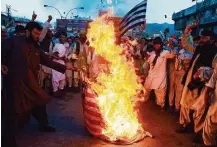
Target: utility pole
{"points": [[8, 11]]}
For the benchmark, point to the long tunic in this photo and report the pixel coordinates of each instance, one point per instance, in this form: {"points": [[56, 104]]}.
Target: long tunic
{"points": [[23, 58], [201, 58], [61, 49], [157, 76], [81, 62], [82, 56], [213, 84], [188, 97]]}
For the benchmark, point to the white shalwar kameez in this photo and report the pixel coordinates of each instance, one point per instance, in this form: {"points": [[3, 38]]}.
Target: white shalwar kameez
{"points": [[58, 79], [157, 77]]}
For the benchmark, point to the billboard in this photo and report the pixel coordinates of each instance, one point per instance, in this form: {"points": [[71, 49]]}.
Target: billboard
{"points": [[71, 25]]}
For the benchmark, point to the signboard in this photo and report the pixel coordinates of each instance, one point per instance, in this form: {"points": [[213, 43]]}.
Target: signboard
{"points": [[71, 25]]}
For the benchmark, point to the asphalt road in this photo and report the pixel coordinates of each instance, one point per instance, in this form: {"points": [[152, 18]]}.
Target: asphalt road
{"points": [[66, 115]]}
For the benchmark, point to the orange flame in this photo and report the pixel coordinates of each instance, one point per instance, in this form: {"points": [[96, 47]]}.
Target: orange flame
{"points": [[118, 88]]}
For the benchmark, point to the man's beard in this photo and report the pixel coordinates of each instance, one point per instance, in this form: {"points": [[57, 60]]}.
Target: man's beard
{"points": [[31, 39]]}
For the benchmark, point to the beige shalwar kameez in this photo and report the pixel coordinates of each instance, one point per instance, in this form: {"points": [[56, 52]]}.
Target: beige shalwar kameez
{"points": [[189, 101], [210, 124], [69, 73], [81, 63]]}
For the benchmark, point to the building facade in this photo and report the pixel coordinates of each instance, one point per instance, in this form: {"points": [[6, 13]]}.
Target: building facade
{"points": [[4, 19], [205, 11], [72, 25]]}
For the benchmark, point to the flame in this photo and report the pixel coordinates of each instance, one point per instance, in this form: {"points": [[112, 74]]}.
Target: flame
{"points": [[118, 87]]}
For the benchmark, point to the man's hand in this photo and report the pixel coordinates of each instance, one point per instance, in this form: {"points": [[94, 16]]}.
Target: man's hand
{"points": [[56, 56], [34, 16], [195, 24], [191, 26], [4, 69], [49, 18]]}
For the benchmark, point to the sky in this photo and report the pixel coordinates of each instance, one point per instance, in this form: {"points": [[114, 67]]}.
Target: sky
{"points": [[156, 9]]}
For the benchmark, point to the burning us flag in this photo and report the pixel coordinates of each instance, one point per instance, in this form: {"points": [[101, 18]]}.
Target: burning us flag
{"points": [[108, 104]]}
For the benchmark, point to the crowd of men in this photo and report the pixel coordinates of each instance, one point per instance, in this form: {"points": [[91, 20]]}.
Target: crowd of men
{"points": [[182, 74], [37, 64]]}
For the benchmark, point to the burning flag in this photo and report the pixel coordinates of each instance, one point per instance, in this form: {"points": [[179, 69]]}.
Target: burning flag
{"points": [[108, 103], [135, 17]]}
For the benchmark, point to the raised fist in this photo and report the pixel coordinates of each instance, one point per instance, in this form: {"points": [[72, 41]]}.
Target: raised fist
{"points": [[49, 18], [191, 26], [34, 16]]}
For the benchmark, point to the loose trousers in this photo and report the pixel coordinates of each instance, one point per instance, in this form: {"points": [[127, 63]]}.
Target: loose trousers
{"points": [[210, 130], [58, 85], [159, 93], [198, 118], [69, 74], [175, 93]]}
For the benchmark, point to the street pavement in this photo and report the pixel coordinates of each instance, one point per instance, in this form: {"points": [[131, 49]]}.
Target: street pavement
{"points": [[67, 116]]}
